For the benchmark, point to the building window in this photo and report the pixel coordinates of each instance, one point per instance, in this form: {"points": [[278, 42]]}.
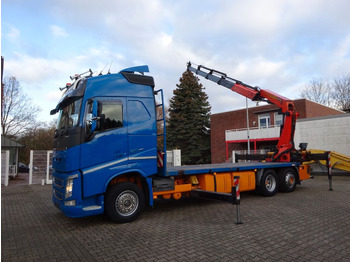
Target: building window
{"points": [[264, 121], [278, 119]]}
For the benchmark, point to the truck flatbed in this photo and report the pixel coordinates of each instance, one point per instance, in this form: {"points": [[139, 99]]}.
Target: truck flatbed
{"points": [[225, 167]]}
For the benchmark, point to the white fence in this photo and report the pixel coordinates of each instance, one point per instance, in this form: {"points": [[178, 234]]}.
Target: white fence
{"points": [[254, 133]]}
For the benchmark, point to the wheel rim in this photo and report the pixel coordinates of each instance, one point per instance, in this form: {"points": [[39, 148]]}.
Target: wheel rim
{"points": [[290, 180], [127, 203], [270, 183]]}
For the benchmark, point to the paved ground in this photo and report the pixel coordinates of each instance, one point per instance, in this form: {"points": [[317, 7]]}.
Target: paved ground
{"points": [[310, 224]]}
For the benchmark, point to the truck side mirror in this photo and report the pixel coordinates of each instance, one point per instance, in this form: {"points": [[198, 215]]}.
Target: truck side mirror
{"points": [[91, 118]]}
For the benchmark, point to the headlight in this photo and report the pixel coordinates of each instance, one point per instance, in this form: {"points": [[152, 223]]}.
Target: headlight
{"points": [[69, 188]]}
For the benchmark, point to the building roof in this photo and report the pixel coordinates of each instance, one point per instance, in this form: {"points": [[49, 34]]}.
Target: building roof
{"points": [[9, 143], [306, 108]]}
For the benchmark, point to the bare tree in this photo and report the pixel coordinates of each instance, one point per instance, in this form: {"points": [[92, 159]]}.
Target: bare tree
{"points": [[341, 92], [318, 90], [37, 137], [17, 111]]}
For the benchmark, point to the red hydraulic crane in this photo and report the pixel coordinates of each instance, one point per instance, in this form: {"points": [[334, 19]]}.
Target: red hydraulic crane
{"points": [[285, 145]]}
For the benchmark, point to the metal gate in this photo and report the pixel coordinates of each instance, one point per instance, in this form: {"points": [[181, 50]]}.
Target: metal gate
{"points": [[40, 167]]}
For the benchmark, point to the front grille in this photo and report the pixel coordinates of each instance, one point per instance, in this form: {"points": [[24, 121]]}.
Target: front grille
{"points": [[58, 182], [58, 195]]}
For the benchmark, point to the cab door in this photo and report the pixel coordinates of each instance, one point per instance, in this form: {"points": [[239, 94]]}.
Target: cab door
{"points": [[104, 152]]}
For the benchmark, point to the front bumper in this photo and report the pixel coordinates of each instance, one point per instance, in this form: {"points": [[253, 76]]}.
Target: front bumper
{"points": [[72, 205]]}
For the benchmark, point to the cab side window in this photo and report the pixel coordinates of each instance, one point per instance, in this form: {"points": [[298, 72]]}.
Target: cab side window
{"points": [[110, 113]]}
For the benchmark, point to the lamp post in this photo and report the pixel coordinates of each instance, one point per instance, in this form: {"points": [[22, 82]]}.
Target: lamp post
{"points": [[246, 102]]}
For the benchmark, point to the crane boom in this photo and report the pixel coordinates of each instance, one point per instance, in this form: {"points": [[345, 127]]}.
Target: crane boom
{"points": [[285, 143]]}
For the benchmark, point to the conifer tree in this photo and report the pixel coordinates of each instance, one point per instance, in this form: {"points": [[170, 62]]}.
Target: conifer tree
{"points": [[188, 126]]}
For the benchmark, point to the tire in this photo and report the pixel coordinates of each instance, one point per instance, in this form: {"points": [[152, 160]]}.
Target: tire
{"points": [[124, 202], [268, 183], [287, 179]]}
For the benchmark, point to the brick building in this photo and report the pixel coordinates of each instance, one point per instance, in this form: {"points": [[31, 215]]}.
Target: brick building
{"points": [[229, 129]]}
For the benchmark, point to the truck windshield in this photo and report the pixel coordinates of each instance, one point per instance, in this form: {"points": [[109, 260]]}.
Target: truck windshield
{"points": [[69, 115]]}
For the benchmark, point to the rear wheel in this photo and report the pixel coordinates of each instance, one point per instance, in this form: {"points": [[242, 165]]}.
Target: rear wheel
{"points": [[268, 183], [124, 202], [288, 179]]}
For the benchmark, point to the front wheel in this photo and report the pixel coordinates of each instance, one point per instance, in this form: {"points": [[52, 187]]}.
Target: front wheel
{"points": [[124, 202], [268, 183]]}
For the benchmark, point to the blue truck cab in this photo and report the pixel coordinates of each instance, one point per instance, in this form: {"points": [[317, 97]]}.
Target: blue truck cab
{"points": [[106, 134]]}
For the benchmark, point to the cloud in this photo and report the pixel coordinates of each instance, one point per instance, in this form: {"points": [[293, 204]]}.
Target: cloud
{"points": [[13, 34], [33, 70], [58, 31], [343, 49], [275, 45], [53, 96]]}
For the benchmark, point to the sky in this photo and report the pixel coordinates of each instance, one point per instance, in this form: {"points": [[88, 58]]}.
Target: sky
{"points": [[276, 45]]}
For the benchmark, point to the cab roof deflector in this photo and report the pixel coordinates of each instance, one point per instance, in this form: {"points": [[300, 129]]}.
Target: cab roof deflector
{"points": [[140, 69]]}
